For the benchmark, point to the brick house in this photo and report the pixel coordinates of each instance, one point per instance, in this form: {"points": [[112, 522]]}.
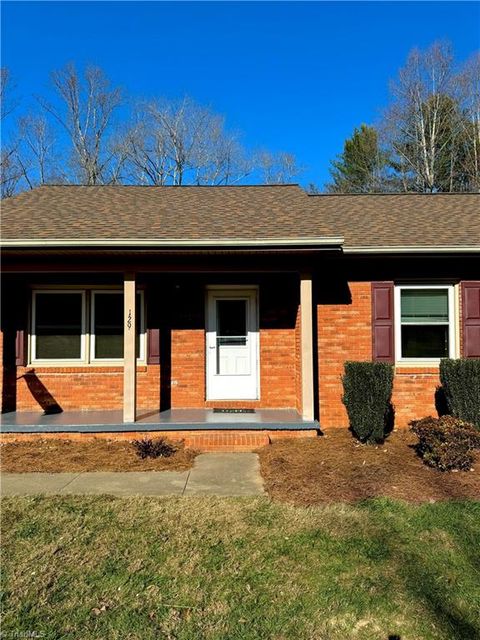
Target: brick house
{"points": [[246, 298]]}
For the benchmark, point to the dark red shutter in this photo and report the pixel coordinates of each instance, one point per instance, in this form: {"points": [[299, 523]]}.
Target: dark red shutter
{"points": [[471, 319], [153, 346], [382, 322], [21, 348], [20, 300]]}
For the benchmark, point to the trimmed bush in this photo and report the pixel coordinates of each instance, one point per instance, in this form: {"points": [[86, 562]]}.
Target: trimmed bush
{"points": [[367, 390], [446, 443], [159, 448], [461, 384]]}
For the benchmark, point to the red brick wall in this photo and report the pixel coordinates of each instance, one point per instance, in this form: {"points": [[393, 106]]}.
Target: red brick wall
{"points": [[75, 388], [188, 368], [277, 368], [414, 393], [344, 333]]}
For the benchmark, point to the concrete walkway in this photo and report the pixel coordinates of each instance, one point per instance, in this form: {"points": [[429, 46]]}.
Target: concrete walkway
{"points": [[219, 474]]}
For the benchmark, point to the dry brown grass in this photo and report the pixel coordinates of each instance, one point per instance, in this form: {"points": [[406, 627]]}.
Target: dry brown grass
{"points": [[54, 456], [336, 468]]}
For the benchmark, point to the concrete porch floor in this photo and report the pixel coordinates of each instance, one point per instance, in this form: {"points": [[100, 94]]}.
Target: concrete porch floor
{"points": [[170, 420]]}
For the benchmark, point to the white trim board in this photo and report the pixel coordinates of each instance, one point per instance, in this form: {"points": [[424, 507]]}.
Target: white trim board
{"points": [[173, 242]]}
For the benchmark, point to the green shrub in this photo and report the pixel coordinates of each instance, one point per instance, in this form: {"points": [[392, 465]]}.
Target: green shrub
{"points": [[159, 448], [446, 443], [367, 390], [461, 384]]}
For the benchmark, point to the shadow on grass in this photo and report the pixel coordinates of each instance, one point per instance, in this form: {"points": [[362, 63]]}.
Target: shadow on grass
{"points": [[422, 582]]}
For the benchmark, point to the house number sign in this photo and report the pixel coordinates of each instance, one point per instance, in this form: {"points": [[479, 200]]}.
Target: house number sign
{"points": [[129, 319]]}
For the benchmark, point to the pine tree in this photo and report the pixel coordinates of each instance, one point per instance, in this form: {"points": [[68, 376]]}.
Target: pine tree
{"points": [[361, 165]]}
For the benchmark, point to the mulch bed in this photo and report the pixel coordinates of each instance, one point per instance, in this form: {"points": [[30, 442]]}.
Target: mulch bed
{"points": [[337, 468], [55, 456]]}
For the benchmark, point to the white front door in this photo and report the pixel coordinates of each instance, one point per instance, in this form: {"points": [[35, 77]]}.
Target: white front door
{"points": [[232, 344]]}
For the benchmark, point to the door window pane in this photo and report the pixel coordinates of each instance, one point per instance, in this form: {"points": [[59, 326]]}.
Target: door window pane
{"points": [[424, 305], [58, 326], [231, 322], [108, 325]]}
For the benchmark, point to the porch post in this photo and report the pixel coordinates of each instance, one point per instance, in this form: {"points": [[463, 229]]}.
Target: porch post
{"points": [[306, 325], [129, 349]]}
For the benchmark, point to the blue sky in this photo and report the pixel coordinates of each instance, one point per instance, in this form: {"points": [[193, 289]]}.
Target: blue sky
{"points": [[295, 76]]}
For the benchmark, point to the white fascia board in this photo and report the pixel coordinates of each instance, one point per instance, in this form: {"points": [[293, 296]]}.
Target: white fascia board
{"points": [[414, 249], [212, 243]]}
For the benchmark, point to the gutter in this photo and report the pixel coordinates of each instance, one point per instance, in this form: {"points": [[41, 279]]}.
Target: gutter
{"points": [[175, 242], [413, 249]]}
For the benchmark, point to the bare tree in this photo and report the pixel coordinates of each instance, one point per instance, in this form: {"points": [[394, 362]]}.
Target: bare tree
{"points": [[7, 102], [36, 154], [277, 168], [79, 138], [469, 86], [86, 114], [143, 146], [183, 143], [422, 124], [10, 170], [219, 158]]}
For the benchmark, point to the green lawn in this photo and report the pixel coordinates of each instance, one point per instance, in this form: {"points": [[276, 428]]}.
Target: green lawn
{"points": [[101, 567]]}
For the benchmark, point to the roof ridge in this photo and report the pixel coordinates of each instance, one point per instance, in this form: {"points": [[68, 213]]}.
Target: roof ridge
{"points": [[170, 186], [396, 193]]}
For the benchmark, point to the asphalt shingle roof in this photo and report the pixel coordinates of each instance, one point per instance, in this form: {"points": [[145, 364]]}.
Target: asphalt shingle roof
{"points": [[240, 212], [412, 220], [194, 213]]}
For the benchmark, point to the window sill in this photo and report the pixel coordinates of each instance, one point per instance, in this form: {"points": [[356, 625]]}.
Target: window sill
{"points": [[406, 368], [79, 368], [429, 364]]}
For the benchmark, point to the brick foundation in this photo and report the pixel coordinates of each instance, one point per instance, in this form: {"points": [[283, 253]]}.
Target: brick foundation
{"points": [[225, 440]]}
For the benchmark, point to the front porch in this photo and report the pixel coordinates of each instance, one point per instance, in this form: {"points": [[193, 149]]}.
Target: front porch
{"points": [[199, 429], [24, 422], [201, 335]]}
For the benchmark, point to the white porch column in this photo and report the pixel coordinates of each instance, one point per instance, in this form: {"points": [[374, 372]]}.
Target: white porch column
{"points": [[306, 326], [129, 348]]}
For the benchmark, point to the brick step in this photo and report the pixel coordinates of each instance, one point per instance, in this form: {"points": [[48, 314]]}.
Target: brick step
{"points": [[227, 441]]}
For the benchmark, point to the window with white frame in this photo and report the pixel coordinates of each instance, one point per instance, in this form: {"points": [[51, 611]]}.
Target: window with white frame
{"points": [[424, 322], [58, 325], [106, 327], [81, 326]]}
